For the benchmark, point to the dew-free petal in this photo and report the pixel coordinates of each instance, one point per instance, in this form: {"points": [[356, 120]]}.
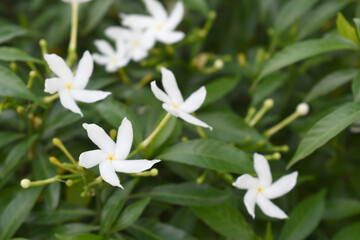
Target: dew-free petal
{"points": [[281, 186], [156, 9], [270, 208], [108, 173], [133, 166], [159, 94], [84, 71], [176, 16], [53, 85], [195, 100], [171, 87], [92, 158], [249, 201], [246, 181], [98, 136], [170, 37], [89, 96], [124, 140], [193, 120], [262, 169], [68, 102], [59, 67]]}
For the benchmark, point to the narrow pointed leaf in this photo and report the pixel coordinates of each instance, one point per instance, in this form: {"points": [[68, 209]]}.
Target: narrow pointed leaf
{"points": [[351, 232], [9, 137], [8, 32], [345, 28], [337, 209], [11, 54], [219, 88]]}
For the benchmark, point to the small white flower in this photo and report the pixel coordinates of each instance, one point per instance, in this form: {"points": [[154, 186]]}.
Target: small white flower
{"points": [[138, 43], [159, 24], [261, 189], [173, 101], [111, 157], [76, 1], [112, 59], [70, 87]]}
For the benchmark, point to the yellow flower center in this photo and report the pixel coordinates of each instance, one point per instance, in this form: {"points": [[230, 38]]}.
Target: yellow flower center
{"points": [[111, 157], [69, 86], [136, 43], [114, 60], [260, 189], [159, 27], [175, 106]]}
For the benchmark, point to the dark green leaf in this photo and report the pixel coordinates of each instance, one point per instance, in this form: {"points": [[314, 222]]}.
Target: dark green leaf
{"points": [[82, 236], [357, 23], [197, 5], [219, 88], [98, 10], [269, 85], [11, 54], [351, 232], [356, 87], [9, 137], [8, 32], [337, 209]]}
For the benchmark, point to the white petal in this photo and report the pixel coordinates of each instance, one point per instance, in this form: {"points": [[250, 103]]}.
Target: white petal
{"points": [[262, 169], [139, 54], [100, 59], [124, 140], [68, 101], [92, 158], [148, 39], [89, 96], [53, 85], [249, 201], [133, 166], [170, 37], [193, 120], [171, 87], [84, 71], [246, 181], [116, 33], [281, 186], [176, 16], [269, 208], [170, 109], [137, 21], [104, 47], [159, 94], [110, 67], [59, 67], [98, 136], [195, 100], [156, 9], [108, 173]]}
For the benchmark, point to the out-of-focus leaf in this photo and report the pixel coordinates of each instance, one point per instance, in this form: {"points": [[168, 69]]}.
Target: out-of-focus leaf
{"points": [[269, 85], [304, 218], [8, 32], [114, 205], [226, 220], [66, 229], [188, 194], [98, 10], [130, 214], [325, 129], [9, 137], [346, 29], [330, 83], [16, 212], [11, 54], [337, 209], [197, 5], [356, 87], [357, 23], [209, 153], [82, 236], [299, 51], [351, 232], [218, 88]]}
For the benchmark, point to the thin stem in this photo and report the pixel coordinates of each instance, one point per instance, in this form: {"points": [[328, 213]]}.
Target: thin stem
{"points": [[124, 77], [145, 80], [73, 36], [268, 133], [60, 145]]}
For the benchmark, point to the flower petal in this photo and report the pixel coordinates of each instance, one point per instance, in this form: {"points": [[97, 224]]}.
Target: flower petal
{"points": [[170, 109], [124, 140], [68, 102], [92, 158], [270, 208], [246, 181], [193, 120], [281, 186], [133, 166], [59, 67], [108, 173], [249, 201], [262, 169], [171, 87], [136, 21], [116, 33], [176, 16], [139, 54], [53, 85], [195, 100], [84, 71], [100, 59], [148, 39], [98, 136], [156, 9], [159, 94], [89, 96], [104, 47], [170, 37]]}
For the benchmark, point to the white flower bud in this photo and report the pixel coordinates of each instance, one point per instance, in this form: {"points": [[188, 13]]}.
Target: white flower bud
{"points": [[25, 183], [269, 103], [219, 64], [302, 109]]}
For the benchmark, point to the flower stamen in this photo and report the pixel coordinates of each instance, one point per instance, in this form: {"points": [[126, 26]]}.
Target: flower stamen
{"points": [[136, 43], [68, 86], [260, 189], [159, 27], [111, 157], [175, 106]]}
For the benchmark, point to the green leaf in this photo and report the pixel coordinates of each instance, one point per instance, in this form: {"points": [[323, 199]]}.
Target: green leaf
{"points": [[304, 217], [299, 51], [351, 232], [346, 29], [325, 129], [130, 214], [114, 112], [226, 220], [219, 88], [98, 10], [14, 159], [197, 5], [269, 85], [188, 194], [337, 209], [64, 229], [209, 153], [8, 32], [82, 236], [356, 87], [11, 54], [114, 205], [12, 86], [9, 137], [357, 23], [331, 82], [16, 211]]}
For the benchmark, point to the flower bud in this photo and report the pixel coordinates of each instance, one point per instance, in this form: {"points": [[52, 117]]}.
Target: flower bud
{"points": [[69, 183], [25, 183], [269, 103], [219, 64], [302, 109], [154, 172]]}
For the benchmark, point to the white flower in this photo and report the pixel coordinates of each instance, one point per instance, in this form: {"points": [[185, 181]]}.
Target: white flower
{"points": [[70, 87], [111, 157], [112, 59], [173, 101], [261, 189], [159, 24], [138, 42], [76, 1]]}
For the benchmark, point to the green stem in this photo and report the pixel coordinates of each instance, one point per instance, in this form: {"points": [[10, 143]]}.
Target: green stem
{"points": [[268, 133], [73, 36]]}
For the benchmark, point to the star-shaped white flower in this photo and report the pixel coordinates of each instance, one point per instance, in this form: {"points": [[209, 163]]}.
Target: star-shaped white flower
{"points": [[138, 43], [159, 24], [70, 87], [111, 157], [173, 101], [113, 59], [261, 189]]}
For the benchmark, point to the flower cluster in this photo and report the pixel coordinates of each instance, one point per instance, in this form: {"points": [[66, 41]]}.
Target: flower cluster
{"points": [[141, 34]]}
